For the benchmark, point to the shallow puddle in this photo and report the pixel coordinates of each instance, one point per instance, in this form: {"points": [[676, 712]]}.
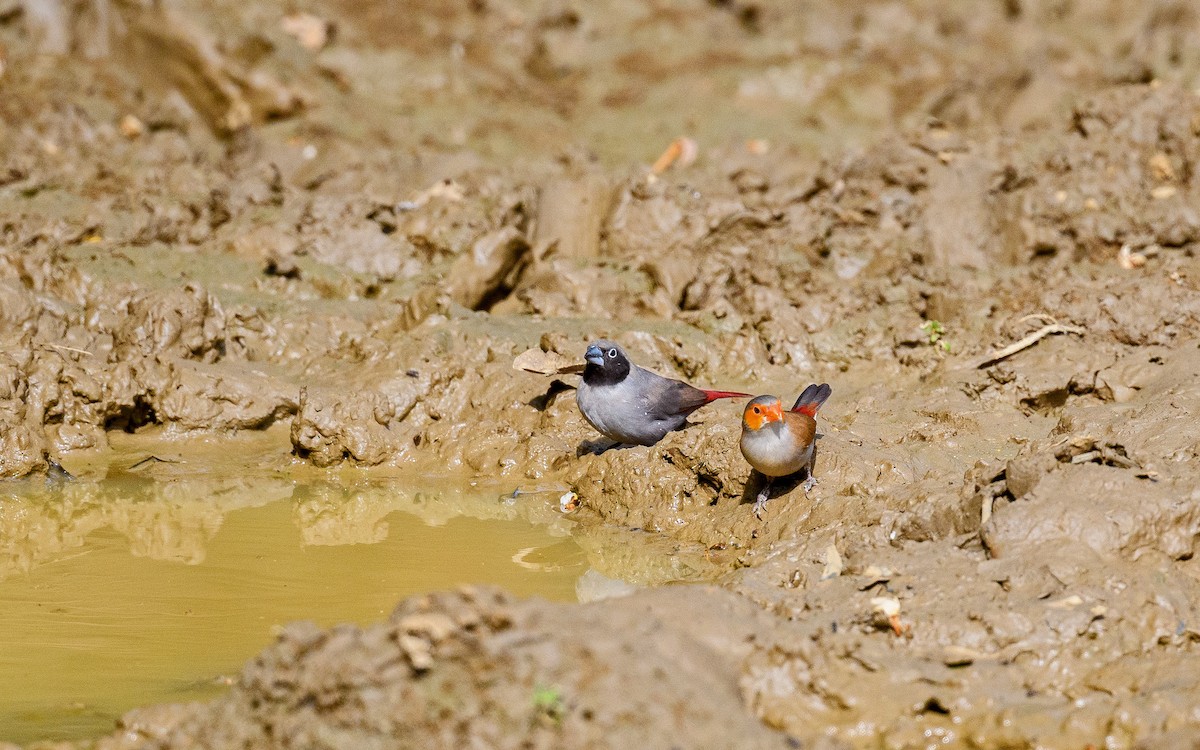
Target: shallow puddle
{"points": [[135, 590]]}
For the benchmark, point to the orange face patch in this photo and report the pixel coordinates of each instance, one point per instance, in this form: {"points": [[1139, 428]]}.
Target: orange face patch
{"points": [[758, 415]]}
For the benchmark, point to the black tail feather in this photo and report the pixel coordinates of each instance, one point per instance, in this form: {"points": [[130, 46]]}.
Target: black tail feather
{"points": [[813, 397]]}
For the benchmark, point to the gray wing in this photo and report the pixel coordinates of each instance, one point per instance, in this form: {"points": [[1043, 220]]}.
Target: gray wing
{"points": [[666, 398]]}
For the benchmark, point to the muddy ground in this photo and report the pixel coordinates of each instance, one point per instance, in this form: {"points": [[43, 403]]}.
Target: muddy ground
{"points": [[220, 217]]}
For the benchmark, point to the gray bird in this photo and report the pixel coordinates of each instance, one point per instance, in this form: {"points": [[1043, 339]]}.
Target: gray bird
{"points": [[632, 405]]}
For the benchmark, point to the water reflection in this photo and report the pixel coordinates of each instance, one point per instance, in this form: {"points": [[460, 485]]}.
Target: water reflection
{"points": [[160, 520], [331, 513], [144, 587]]}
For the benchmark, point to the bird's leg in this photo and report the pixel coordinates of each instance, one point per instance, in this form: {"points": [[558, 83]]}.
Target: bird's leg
{"points": [[811, 481], [760, 503]]}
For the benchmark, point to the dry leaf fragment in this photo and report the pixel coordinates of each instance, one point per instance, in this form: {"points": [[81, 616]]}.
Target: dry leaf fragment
{"points": [[545, 363]]}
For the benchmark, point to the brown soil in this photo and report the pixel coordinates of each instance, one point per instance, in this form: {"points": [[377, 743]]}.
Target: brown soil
{"points": [[208, 228]]}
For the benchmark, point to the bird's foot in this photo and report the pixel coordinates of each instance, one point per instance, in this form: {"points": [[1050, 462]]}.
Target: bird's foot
{"points": [[809, 484], [760, 503], [597, 447]]}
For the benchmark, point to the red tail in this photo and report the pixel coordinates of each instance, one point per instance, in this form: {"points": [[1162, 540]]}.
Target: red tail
{"points": [[812, 398], [710, 396]]}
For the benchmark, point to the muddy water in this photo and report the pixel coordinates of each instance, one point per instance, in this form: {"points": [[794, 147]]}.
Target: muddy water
{"points": [[150, 590]]}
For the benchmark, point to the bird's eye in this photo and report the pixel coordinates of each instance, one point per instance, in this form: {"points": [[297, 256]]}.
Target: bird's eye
{"points": [[612, 353], [757, 410]]}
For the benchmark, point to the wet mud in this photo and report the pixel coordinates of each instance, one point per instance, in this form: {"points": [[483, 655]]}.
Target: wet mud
{"points": [[338, 231]]}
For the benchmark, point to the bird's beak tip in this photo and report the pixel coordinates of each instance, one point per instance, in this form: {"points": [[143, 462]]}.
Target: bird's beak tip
{"points": [[594, 355]]}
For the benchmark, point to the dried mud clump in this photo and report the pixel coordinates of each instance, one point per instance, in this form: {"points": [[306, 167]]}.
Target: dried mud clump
{"points": [[1067, 644], [23, 443], [171, 357], [1128, 462], [478, 668], [1120, 178]]}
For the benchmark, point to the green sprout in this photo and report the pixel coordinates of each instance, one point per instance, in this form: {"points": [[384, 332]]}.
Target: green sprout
{"points": [[937, 334], [548, 701]]}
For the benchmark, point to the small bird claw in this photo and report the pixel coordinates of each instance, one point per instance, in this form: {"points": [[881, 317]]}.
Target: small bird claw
{"points": [[809, 483], [760, 503]]}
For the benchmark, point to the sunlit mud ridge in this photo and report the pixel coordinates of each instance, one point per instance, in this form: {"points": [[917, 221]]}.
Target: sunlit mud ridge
{"points": [[337, 230], [501, 667], [759, 293]]}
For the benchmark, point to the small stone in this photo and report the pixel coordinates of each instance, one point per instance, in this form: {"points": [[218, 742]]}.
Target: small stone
{"points": [[1160, 165], [1130, 260], [833, 563], [418, 652], [758, 146], [311, 32], [1069, 602], [959, 656], [131, 127], [435, 625]]}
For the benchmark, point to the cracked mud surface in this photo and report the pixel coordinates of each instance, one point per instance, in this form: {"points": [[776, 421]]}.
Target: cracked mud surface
{"points": [[350, 245]]}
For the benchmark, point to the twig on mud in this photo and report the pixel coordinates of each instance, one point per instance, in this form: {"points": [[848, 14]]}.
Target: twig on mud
{"points": [[985, 513], [682, 150], [1029, 340], [1038, 316], [70, 349]]}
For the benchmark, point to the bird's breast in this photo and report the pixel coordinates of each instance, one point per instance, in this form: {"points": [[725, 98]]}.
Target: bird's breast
{"points": [[774, 451]]}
